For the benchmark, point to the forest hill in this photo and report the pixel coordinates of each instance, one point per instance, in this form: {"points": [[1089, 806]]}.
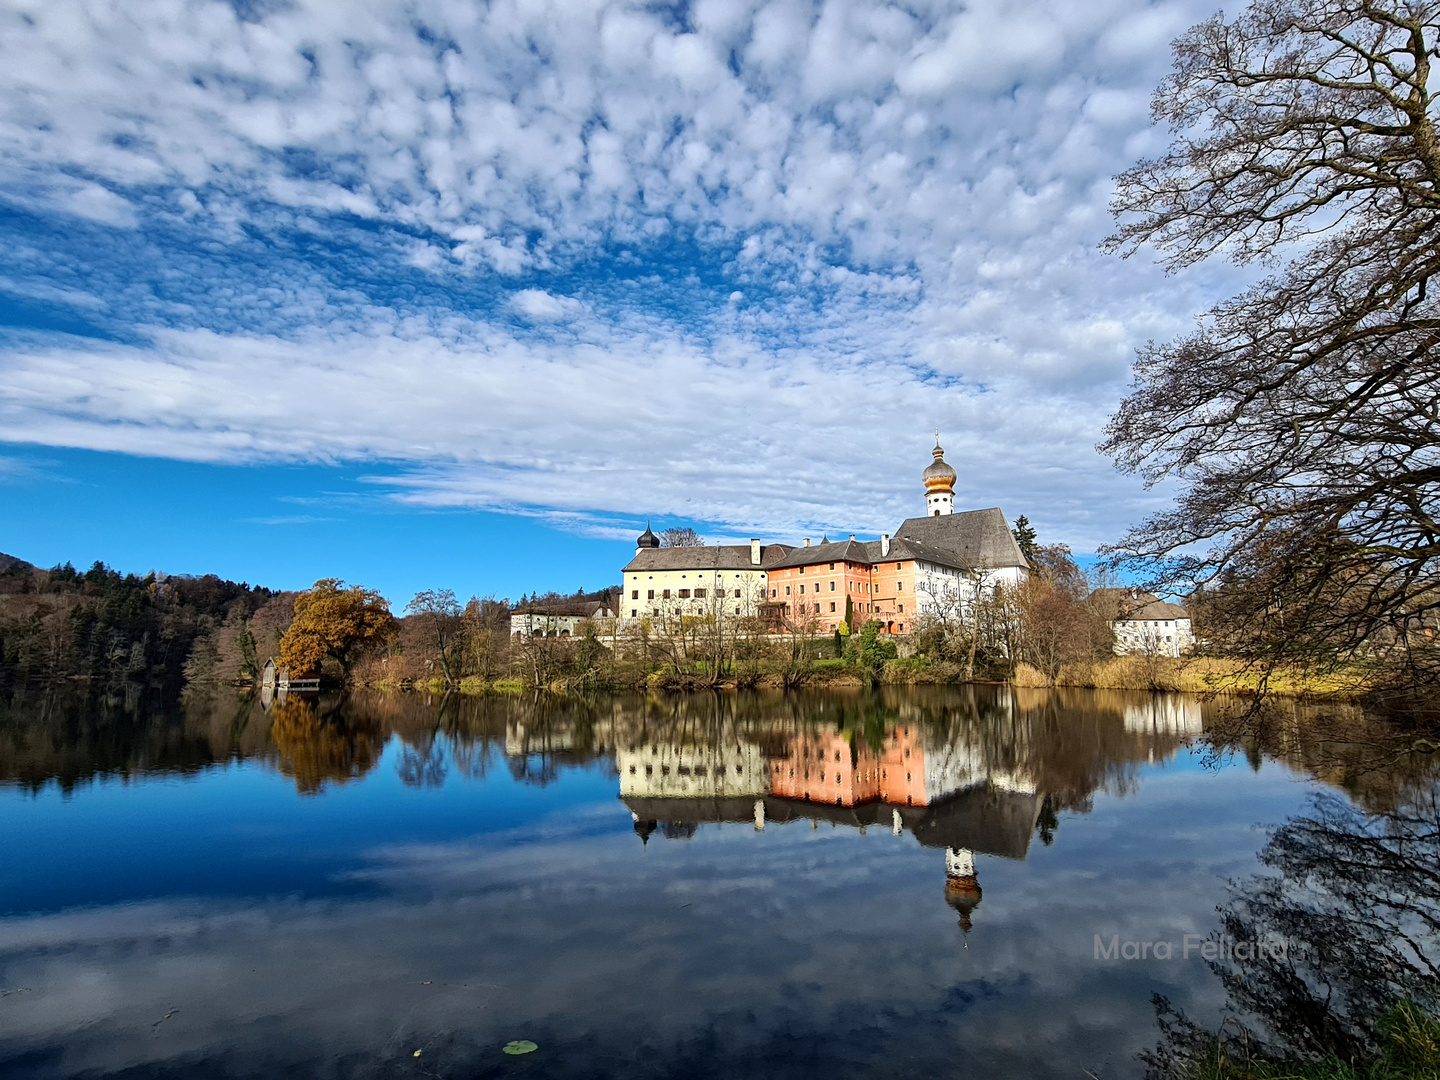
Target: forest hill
{"points": [[162, 633]]}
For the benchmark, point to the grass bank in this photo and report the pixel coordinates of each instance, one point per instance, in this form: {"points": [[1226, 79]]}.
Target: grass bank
{"points": [[1410, 1050], [1195, 675], [1199, 675]]}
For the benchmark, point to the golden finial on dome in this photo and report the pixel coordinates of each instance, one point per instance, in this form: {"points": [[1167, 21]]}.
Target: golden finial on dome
{"points": [[939, 481], [938, 474]]}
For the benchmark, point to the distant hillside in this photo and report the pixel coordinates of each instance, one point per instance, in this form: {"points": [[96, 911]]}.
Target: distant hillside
{"points": [[120, 631]]}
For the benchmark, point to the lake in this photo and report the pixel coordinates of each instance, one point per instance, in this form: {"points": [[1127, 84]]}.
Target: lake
{"points": [[921, 882]]}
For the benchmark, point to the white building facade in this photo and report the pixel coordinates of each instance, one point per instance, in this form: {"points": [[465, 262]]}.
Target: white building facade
{"points": [[726, 580], [1145, 625]]}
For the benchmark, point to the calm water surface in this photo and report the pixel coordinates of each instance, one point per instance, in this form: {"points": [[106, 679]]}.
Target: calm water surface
{"points": [[838, 885]]}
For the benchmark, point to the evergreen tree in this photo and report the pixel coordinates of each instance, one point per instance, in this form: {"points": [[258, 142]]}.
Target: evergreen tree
{"points": [[1024, 535]]}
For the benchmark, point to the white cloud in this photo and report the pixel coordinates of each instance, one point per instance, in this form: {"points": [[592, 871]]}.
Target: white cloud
{"points": [[539, 305], [905, 202]]}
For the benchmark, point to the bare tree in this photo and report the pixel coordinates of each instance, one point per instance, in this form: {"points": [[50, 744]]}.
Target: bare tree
{"points": [[1302, 418], [681, 536], [485, 627], [439, 613]]}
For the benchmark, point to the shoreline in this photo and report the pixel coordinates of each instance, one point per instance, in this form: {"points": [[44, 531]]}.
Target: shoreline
{"points": [[1199, 675]]}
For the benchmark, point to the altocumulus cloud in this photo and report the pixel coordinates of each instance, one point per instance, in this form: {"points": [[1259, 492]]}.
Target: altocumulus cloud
{"points": [[585, 259]]}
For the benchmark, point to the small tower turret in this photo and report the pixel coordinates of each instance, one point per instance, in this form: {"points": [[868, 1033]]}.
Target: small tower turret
{"points": [[962, 891], [939, 480], [646, 540]]}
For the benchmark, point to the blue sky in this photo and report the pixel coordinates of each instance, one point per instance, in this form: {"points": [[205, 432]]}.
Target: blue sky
{"points": [[459, 296]]}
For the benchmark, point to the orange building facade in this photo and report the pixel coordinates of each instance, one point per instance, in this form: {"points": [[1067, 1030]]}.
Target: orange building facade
{"points": [[823, 768], [813, 584]]}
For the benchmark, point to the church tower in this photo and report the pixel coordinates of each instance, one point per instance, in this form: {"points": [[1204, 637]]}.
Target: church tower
{"points": [[962, 890], [939, 479]]}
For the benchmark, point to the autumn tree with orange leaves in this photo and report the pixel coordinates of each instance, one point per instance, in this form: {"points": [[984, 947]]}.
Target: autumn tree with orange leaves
{"points": [[338, 622]]}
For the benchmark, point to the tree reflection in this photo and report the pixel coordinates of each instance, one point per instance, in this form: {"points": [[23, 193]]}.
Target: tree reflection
{"points": [[422, 768], [315, 750], [1355, 897]]}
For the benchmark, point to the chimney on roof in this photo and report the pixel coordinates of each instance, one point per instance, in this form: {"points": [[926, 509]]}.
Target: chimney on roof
{"points": [[807, 541], [884, 544], [852, 536], [754, 551]]}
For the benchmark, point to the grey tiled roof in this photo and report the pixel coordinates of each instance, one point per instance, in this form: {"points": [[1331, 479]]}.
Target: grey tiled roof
{"points": [[867, 552], [978, 538], [839, 551], [586, 609], [1134, 606], [717, 557]]}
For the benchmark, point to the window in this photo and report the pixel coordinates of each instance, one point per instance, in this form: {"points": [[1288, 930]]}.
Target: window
{"points": [[817, 612], [665, 594], [902, 628], [832, 586], [832, 566], [699, 594], [772, 594], [802, 590], [634, 594], [649, 594], [787, 590], [737, 594], [832, 605], [899, 586], [902, 607], [633, 613]]}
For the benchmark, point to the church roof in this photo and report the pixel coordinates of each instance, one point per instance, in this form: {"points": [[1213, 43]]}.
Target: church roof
{"points": [[903, 548], [986, 819], [978, 538], [710, 557]]}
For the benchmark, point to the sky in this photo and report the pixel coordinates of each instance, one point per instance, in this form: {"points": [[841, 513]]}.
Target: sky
{"points": [[462, 295]]}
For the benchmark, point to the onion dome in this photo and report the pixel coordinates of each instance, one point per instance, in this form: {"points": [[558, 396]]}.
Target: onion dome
{"points": [[963, 894], [938, 475], [647, 539]]}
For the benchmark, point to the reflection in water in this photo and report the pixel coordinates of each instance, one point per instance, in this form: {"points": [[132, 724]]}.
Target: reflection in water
{"points": [[536, 894], [867, 766], [315, 750], [1355, 900]]}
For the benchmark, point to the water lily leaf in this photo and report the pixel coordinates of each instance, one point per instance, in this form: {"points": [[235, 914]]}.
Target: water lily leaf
{"points": [[520, 1046]]}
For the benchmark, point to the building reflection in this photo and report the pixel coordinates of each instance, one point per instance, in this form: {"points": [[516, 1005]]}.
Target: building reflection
{"points": [[966, 789], [974, 773]]}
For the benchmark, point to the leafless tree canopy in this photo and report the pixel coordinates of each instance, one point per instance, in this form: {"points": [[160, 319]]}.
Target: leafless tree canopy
{"points": [[1302, 418], [681, 536]]}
